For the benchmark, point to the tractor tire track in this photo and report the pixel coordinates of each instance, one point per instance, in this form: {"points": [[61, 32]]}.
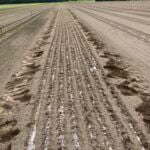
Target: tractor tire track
{"points": [[109, 103]]}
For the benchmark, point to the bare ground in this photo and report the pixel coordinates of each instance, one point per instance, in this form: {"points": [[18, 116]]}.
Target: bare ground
{"points": [[76, 90], [16, 46]]}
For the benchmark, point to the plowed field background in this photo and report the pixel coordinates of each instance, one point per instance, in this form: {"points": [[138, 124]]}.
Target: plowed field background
{"points": [[75, 76]]}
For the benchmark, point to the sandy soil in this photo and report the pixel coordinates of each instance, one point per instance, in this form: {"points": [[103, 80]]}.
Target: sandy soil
{"points": [[83, 85], [13, 49]]}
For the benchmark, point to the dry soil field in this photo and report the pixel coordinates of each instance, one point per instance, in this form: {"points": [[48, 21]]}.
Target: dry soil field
{"points": [[75, 76]]}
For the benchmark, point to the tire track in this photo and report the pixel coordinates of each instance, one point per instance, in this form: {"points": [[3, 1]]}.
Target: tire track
{"points": [[55, 136], [43, 87], [79, 130], [109, 104], [83, 110], [51, 88], [94, 96], [19, 94], [87, 106]]}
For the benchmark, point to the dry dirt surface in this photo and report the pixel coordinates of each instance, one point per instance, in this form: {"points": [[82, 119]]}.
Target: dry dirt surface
{"points": [[9, 16], [75, 89], [17, 38]]}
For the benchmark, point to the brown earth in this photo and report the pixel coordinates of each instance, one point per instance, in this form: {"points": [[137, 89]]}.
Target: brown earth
{"points": [[15, 45], [84, 84], [8, 16]]}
